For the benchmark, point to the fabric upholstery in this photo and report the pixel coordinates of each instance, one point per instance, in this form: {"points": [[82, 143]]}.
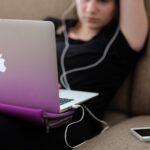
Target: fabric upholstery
{"points": [[121, 102], [141, 86], [119, 137], [32, 9], [117, 117]]}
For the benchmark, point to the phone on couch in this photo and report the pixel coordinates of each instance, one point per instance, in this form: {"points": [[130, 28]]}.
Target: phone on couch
{"points": [[141, 133]]}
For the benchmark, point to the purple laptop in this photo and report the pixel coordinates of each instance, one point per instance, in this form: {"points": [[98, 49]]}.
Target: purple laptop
{"points": [[28, 71]]}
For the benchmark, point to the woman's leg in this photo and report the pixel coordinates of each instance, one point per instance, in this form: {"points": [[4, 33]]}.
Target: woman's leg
{"points": [[22, 135]]}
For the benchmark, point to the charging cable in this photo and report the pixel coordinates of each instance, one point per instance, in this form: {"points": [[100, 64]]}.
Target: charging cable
{"points": [[75, 122], [105, 125]]}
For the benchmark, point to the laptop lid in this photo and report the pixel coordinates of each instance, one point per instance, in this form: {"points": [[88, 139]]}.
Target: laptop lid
{"points": [[28, 66]]}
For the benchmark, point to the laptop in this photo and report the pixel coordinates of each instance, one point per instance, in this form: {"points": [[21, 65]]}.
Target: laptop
{"points": [[28, 67]]}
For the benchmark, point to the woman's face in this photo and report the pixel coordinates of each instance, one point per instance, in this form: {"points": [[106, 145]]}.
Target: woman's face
{"points": [[95, 13]]}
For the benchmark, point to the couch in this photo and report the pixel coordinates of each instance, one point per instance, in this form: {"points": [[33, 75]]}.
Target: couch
{"points": [[131, 105]]}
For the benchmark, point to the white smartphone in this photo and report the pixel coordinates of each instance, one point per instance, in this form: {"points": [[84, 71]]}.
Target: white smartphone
{"points": [[142, 133]]}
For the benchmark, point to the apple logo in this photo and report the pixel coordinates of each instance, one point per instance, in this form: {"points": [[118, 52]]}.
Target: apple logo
{"points": [[2, 64]]}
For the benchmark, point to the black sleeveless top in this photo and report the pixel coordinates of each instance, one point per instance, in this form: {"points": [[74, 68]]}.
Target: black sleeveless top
{"points": [[106, 77]]}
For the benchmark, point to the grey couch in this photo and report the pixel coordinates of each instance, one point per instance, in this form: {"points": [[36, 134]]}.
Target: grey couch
{"points": [[131, 105]]}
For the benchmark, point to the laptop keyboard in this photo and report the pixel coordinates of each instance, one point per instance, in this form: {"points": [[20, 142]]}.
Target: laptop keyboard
{"points": [[64, 100]]}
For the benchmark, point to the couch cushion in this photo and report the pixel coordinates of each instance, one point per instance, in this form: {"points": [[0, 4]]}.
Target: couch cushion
{"points": [[121, 102], [141, 86], [119, 137], [32, 9], [114, 117]]}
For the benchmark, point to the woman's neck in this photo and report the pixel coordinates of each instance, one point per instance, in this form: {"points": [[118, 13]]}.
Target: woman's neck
{"points": [[82, 32]]}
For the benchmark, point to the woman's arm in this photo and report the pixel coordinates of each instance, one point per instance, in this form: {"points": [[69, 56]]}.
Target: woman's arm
{"points": [[134, 22]]}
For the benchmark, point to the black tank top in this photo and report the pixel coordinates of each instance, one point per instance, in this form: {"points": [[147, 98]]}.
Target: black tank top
{"points": [[106, 77]]}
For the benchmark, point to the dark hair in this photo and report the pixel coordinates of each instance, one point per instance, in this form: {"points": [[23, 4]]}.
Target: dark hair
{"points": [[117, 1], [118, 10]]}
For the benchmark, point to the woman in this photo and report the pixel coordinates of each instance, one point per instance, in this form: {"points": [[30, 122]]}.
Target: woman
{"points": [[107, 39]]}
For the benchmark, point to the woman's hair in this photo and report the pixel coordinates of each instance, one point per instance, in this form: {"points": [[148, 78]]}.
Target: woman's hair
{"points": [[117, 1], [118, 10]]}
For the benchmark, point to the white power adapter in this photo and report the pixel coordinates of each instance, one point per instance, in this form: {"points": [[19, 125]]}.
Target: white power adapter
{"points": [[76, 106]]}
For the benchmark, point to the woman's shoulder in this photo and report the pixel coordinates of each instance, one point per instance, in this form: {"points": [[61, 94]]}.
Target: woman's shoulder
{"points": [[120, 40], [59, 23]]}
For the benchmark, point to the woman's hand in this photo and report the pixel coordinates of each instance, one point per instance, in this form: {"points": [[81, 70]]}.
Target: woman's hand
{"points": [[59, 85]]}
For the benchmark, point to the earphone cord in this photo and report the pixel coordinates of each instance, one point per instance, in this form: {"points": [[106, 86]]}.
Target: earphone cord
{"points": [[65, 82], [63, 77], [94, 64]]}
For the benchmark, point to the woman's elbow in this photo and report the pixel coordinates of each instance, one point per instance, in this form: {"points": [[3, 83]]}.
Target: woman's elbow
{"points": [[137, 38]]}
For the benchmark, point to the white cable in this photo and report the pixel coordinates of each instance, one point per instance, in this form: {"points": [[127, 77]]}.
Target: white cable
{"points": [[104, 123], [63, 77], [68, 10], [75, 122], [65, 82], [97, 62]]}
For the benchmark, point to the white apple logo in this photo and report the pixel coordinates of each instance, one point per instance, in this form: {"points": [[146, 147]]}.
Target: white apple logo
{"points": [[2, 64]]}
